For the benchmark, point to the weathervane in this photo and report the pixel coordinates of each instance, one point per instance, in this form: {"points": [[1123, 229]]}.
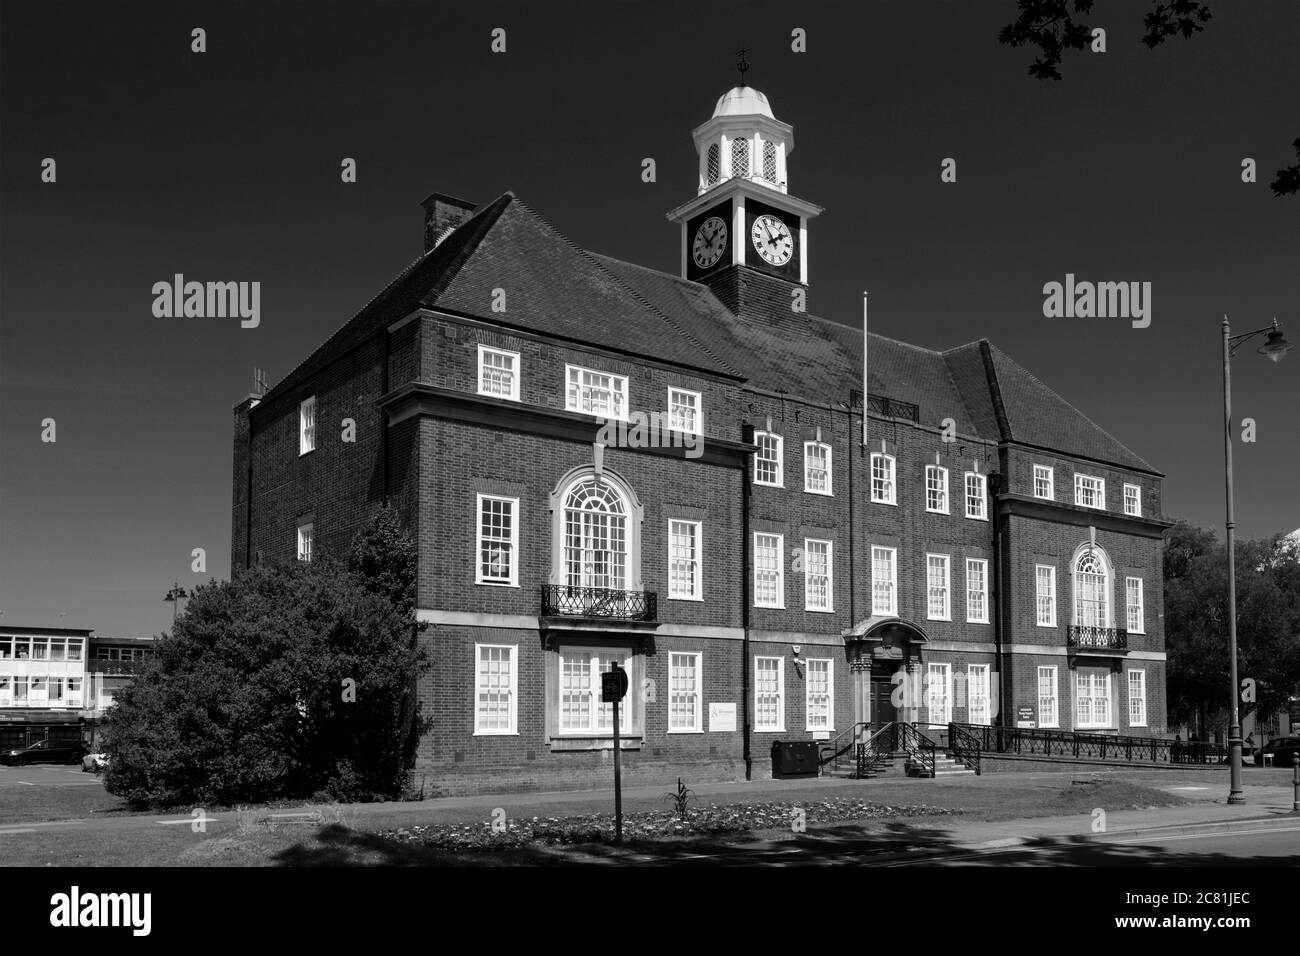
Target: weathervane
{"points": [[741, 63]]}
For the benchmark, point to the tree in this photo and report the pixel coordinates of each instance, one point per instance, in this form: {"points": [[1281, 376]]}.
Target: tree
{"points": [[288, 680], [1196, 622], [386, 558], [1053, 27]]}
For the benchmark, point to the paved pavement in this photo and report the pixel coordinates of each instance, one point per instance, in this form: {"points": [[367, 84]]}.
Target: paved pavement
{"points": [[47, 775]]}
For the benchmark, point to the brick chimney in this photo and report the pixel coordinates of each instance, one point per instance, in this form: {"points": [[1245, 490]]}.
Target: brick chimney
{"points": [[442, 214]]}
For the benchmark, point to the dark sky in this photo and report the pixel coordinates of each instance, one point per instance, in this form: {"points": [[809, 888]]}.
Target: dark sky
{"points": [[225, 166]]}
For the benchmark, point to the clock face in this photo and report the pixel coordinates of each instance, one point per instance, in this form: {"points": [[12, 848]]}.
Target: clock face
{"points": [[772, 240], [710, 240]]}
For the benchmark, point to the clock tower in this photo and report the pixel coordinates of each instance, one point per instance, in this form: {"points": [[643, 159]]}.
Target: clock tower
{"points": [[743, 234]]}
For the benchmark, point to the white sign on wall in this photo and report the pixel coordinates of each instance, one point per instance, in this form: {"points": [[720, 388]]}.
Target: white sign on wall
{"points": [[722, 717]]}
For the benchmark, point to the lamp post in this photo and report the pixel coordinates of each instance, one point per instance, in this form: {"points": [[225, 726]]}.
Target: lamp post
{"points": [[1275, 347], [175, 595]]}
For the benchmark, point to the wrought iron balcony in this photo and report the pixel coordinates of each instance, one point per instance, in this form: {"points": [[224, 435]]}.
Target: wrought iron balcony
{"points": [[1088, 638], [561, 599]]}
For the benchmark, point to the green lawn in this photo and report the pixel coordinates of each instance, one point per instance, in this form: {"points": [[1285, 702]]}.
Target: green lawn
{"points": [[348, 836]]}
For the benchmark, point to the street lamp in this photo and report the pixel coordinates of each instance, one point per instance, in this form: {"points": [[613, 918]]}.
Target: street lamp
{"points": [[175, 595], [1275, 347]]}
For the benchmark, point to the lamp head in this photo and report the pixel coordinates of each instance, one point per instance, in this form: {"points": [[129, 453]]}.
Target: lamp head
{"points": [[1276, 346]]}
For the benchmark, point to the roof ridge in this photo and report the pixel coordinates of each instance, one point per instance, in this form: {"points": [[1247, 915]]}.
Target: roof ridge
{"points": [[1069, 404]]}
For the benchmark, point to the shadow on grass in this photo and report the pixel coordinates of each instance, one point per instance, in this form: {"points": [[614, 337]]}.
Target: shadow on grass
{"points": [[896, 844]]}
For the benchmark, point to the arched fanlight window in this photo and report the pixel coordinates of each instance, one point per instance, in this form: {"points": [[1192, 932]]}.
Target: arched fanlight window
{"points": [[715, 164], [595, 536], [740, 158], [769, 161], [1091, 589]]}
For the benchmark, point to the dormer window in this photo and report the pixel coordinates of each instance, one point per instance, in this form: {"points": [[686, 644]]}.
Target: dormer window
{"points": [[740, 158]]}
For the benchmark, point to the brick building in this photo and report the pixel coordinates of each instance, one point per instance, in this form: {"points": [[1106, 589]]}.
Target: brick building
{"points": [[601, 462], [57, 682]]}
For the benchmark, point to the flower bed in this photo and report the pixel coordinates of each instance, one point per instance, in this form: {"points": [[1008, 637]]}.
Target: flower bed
{"points": [[651, 825]]}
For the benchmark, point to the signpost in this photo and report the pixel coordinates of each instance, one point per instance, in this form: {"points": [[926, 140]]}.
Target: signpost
{"points": [[613, 687]]}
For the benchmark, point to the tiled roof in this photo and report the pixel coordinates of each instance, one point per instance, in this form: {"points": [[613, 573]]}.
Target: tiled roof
{"points": [[556, 289], [821, 360], [1038, 416]]}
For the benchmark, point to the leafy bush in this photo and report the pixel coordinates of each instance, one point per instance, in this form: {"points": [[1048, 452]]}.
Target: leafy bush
{"points": [[248, 699]]}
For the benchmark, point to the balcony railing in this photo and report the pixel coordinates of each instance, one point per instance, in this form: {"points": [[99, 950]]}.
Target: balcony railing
{"points": [[889, 407], [114, 667], [1087, 637], [561, 599]]}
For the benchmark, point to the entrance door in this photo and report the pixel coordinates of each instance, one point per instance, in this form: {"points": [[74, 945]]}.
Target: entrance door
{"points": [[882, 704], [883, 710]]}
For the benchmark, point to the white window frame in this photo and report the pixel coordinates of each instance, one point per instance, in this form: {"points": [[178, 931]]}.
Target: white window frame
{"points": [[940, 489], [981, 566], [946, 561], [1130, 605], [1137, 716], [696, 404], [480, 541], [1048, 704], [486, 350], [780, 569], [1051, 595], [986, 682], [306, 426], [1098, 488], [878, 607], [889, 466], [944, 668], [808, 575], [1047, 475], [307, 534], [807, 485], [981, 511], [830, 695], [617, 388], [779, 726], [600, 659], [778, 449], [1092, 723], [695, 694], [1133, 496], [480, 688], [697, 571]]}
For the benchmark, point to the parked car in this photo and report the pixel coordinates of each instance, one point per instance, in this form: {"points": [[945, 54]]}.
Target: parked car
{"points": [[1283, 749], [46, 751], [94, 763]]}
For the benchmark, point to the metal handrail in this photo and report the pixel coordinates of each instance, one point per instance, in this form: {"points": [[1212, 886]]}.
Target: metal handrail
{"points": [[870, 753], [920, 748], [831, 751], [965, 746]]}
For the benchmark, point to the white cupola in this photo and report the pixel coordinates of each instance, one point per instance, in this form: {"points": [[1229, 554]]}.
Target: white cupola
{"points": [[743, 140]]}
